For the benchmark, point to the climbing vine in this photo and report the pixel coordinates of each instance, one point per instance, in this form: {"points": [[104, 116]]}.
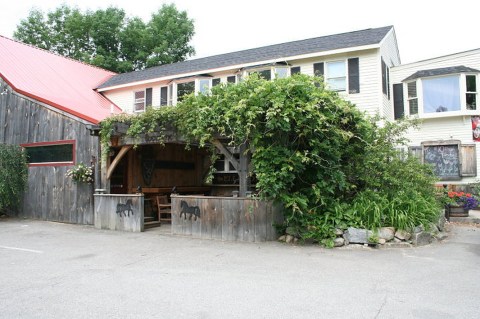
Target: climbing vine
{"points": [[329, 164]]}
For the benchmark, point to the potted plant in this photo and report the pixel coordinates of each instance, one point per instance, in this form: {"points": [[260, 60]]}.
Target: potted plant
{"points": [[461, 203], [81, 173]]}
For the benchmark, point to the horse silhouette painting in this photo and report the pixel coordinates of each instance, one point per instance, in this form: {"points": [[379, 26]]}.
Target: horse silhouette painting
{"points": [[191, 210], [125, 209]]}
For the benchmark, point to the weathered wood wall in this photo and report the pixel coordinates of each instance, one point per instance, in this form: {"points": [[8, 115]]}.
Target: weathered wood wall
{"points": [[225, 218], [119, 212], [50, 195]]}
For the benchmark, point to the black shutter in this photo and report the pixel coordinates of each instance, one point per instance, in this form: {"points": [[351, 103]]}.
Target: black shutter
{"points": [[294, 70], [163, 96], [384, 78], [216, 81], [398, 108], [318, 69], [353, 76], [148, 97]]}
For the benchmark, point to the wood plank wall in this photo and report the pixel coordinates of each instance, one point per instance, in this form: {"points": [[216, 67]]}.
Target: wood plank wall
{"points": [[225, 218], [119, 212], [50, 195]]}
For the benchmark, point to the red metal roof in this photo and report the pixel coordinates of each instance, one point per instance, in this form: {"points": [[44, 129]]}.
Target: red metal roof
{"points": [[63, 83]]}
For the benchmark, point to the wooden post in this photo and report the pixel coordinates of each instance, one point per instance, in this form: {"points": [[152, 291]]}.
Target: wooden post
{"points": [[242, 169]]}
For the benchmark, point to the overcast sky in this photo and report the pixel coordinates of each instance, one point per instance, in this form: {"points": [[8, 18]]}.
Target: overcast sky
{"points": [[424, 29]]}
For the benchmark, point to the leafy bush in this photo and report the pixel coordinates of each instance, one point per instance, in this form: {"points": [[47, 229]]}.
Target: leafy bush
{"points": [[13, 177]]}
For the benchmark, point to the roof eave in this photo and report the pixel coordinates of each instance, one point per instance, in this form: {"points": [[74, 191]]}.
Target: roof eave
{"points": [[239, 66]]}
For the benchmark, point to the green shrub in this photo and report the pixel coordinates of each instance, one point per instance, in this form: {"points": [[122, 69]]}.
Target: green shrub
{"points": [[13, 177]]}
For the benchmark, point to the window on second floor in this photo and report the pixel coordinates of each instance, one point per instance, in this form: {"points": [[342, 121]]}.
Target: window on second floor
{"points": [[139, 102], [342, 75], [336, 76], [184, 88], [447, 91]]}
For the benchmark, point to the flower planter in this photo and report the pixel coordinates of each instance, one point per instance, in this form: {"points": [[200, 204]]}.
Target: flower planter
{"points": [[458, 211]]}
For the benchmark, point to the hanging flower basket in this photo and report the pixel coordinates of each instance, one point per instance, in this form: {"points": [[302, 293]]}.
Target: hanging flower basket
{"points": [[81, 173]]}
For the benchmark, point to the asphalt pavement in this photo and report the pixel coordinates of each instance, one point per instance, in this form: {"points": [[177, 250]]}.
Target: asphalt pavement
{"points": [[53, 270]]}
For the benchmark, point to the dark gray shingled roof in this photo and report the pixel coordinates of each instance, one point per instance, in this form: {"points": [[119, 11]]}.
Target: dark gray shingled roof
{"points": [[276, 51], [439, 71]]}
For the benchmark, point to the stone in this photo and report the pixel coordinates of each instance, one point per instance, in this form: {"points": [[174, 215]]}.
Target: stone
{"points": [[282, 238], [441, 223], [289, 239], [421, 239], [403, 234], [338, 232], [386, 233], [400, 244], [357, 235], [441, 236], [382, 241], [295, 241], [338, 242], [291, 231], [418, 229], [432, 228]]}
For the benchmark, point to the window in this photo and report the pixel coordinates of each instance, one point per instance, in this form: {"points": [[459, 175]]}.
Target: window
{"points": [[471, 93], [204, 86], [441, 94], [164, 96], [222, 165], [139, 103], [265, 74], [231, 79], [215, 82], [385, 79], [412, 98], [295, 70], [281, 72], [185, 88], [336, 76], [59, 153]]}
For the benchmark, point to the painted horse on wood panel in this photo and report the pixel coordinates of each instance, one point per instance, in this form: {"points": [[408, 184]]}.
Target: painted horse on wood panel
{"points": [[125, 209], [191, 210]]}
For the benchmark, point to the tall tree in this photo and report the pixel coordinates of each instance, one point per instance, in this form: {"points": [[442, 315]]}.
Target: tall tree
{"points": [[108, 38]]}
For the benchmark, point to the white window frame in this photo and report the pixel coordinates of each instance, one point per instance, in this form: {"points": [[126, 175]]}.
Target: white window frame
{"points": [[327, 77], [463, 97], [139, 100]]}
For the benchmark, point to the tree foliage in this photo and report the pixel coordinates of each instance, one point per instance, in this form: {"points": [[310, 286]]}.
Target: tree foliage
{"points": [[108, 38], [329, 164], [13, 176]]}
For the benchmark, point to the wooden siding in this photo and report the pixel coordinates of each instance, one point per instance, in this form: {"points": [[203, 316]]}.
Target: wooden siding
{"points": [[50, 195], [119, 212], [225, 218]]}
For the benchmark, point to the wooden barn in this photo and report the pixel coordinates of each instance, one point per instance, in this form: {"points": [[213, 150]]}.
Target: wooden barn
{"points": [[47, 105]]}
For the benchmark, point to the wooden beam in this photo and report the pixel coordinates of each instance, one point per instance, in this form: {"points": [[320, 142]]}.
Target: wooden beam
{"points": [[244, 180], [228, 155], [124, 150]]}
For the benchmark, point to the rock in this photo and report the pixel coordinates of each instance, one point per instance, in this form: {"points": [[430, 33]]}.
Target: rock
{"points": [[441, 236], [441, 223], [418, 229], [282, 238], [382, 241], [432, 228], [295, 241], [421, 239], [402, 234], [386, 233], [338, 242], [338, 232], [289, 239], [357, 235], [396, 240], [291, 231]]}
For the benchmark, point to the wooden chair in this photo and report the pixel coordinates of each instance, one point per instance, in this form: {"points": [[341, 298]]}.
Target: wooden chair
{"points": [[164, 208]]}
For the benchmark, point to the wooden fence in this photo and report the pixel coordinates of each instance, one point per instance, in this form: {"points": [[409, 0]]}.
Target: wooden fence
{"points": [[119, 212], [225, 218]]}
